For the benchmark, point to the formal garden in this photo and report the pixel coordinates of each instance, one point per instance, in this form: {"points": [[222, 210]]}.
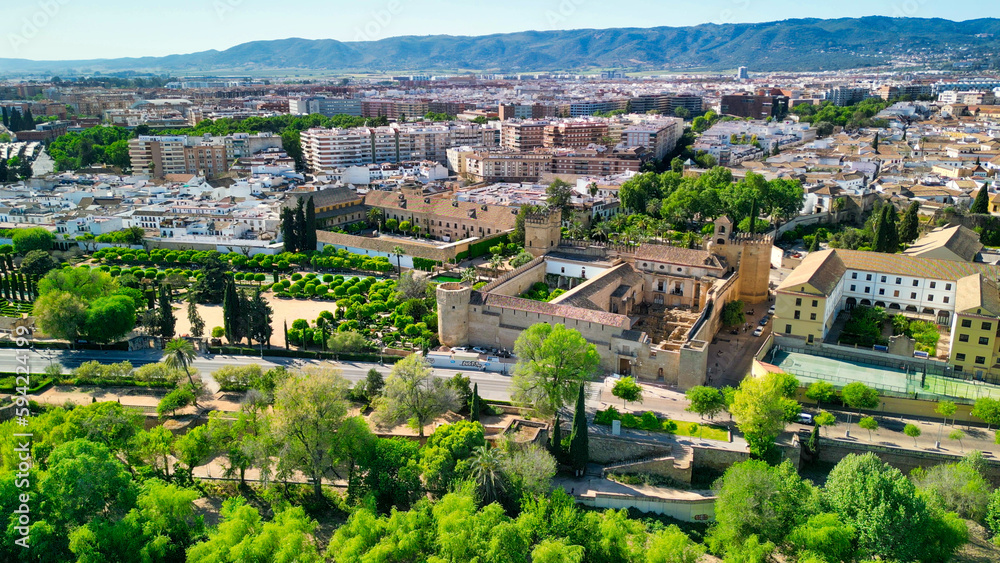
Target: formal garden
{"points": [[867, 327]]}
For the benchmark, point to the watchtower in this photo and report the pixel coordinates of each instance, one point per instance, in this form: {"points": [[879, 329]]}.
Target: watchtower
{"points": [[453, 314], [542, 231]]}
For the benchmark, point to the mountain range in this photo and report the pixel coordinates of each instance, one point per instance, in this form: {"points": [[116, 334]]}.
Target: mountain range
{"points": [[792, 45]]}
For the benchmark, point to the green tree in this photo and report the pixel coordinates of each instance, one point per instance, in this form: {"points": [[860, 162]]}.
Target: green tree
{"points": [[475, 409], [958, 487], [309, 242], [823, 535], [85, 482], [444, 459], [760, 410], [195, 320], [487, 473], [37, 263], [886, 234], [913, 431], [388, 471], [821, 392], [558, 196], [756, 499], [61, 315], [552, 363], [891, 519], [733, 313], [627, 390], [178, 354], [309, 409], [981, 205], [34, 238], [166, 319], [671, 545], [109, 319], [579, 439], [868, 423], [858, 396], [705, 401], [412, 393], [910, 223], [987, 410], [242, 535]]}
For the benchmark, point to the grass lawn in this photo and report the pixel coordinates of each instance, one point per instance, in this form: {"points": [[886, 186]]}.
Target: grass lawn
{"points": [[704, 431]]}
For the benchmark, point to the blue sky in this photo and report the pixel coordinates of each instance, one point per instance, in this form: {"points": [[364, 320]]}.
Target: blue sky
{"points": [[81, 29]]}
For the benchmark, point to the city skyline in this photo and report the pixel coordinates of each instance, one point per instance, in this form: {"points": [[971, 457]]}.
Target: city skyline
{"points": [[36, 30]]}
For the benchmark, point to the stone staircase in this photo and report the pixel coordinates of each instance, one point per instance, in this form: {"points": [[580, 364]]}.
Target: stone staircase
{"points": [[676, 466]]}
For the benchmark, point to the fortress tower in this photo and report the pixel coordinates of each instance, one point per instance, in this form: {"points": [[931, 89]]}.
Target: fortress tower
{"points": [[755, 266], [542, 231], [453, 314]]}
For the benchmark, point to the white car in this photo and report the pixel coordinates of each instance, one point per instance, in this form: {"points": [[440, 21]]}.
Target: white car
{"points": [[459, 349], [758, 331], [479, 350], [771, 310]]}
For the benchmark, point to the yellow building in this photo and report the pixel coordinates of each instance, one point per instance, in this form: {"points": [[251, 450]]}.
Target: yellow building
{"points": [[806, 302], [975, 345]]}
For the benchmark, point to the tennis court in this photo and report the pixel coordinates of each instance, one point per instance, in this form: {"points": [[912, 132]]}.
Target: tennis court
{"points": [[898, 382]]}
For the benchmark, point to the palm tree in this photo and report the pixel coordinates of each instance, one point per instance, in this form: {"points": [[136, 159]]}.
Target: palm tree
{"points": [[178, 354], [495, 262], [469, 275], [593, 189], [398, 252], [375, 217], [488, 474]]}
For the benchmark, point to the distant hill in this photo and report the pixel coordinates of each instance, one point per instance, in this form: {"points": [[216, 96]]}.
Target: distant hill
{"points": [[793, 45]]}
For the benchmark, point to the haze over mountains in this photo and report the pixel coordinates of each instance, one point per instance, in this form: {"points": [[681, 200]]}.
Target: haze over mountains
{"points": [[793, 45]]}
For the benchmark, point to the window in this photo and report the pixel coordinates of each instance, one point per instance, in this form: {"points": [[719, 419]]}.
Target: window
{"points": [[984, 340], [913, 295], [966, 323], [881, 291], [798, 302], [947, 286], [899, 281], [933, 285], [980, 360], [987, 326], [854, 275], [895, 293], [916, 283], [788, 329], [930, 298], [868, 277], [815, 303], [852, 288], [812, 316], [797, 314], [946, 299], [960, 357], [963, 337], [867, 289], [883, 279]]}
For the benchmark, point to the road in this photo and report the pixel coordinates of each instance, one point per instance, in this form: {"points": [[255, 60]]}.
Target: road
{"points": [[492, 386]]}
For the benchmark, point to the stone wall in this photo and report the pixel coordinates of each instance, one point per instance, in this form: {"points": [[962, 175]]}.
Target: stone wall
{"points": [[606, 450], [517, 285], [696, 510], [832, 451], [662, 466]]}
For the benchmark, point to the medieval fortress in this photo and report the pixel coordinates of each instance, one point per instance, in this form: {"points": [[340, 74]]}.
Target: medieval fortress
{"points": [[651, 310]]}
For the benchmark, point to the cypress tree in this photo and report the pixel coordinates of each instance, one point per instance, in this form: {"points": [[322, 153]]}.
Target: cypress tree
{"points": [[3, 178], [300, 226], [286, 334], [982, 203], [555, 440], [288, 230], [909, 225], [474, 408], [166, 320], [6, 117], [29, 120], [15, 120], [579, 442], [753, 217], [814, 245], [309, 235], [231, 312], [875, 143]]}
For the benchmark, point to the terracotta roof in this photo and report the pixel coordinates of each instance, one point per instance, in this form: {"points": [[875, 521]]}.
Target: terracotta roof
{"points": [[323, 198], [979, 293], [823, 270], [677, 255], [960, 240], [549, 309], [500, 216]]}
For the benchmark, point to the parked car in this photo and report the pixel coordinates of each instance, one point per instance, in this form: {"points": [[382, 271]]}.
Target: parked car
{"points": [[479, 350], [459, 349], [758, 331], [771, 310], [806, 418], [764, 320]]}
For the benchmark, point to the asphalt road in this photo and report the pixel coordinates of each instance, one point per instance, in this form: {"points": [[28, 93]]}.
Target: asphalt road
{"points": [[492, 386]]}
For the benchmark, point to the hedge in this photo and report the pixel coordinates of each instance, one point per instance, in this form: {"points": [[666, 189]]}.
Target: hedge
{"points": [[481, 248], [309, 354], [121, 346], [8, 383], [424, 264]]}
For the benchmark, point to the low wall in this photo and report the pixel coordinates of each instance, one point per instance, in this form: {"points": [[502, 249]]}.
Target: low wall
{"points": [[663, 466], [701, 510], [384, 246], [605, 450], [832, 451]]}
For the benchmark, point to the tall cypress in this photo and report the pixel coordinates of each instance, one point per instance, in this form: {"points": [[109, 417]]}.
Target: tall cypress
{"points": [[166, 319], [309, 236], [910, 224], [753, 216], [286, 334], [579, 441], [474, 408], [981, 205], [231, 311], [6, 117], [555, 440], [300, 226], [29, 120], [288, 230], [15, 120]]}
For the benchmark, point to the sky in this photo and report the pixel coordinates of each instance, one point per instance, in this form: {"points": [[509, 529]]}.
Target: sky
{"points": [[86, 29]]}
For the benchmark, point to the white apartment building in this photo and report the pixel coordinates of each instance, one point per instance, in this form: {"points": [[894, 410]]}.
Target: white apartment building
{"points": [[659, 136], [968, 98]]}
